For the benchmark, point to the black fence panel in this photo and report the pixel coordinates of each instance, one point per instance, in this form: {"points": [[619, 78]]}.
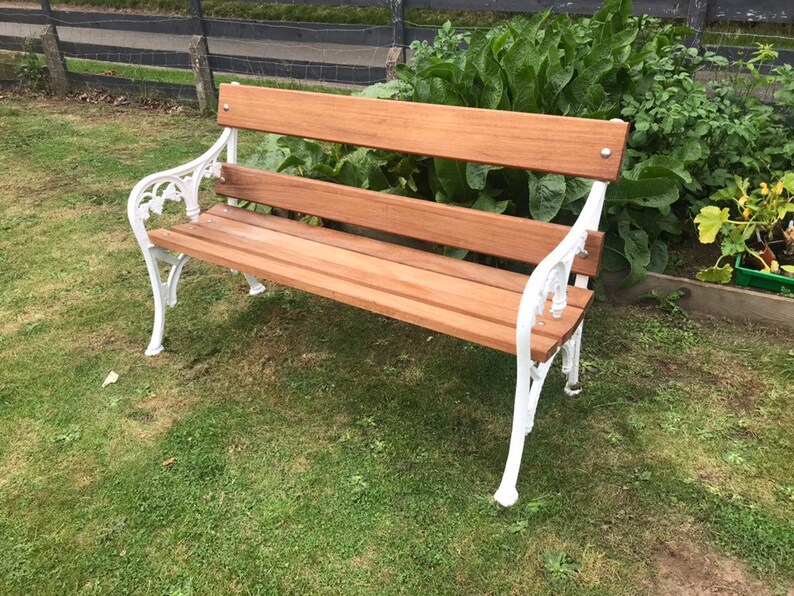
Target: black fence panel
{"points": [[79, 80], [301, 70]]}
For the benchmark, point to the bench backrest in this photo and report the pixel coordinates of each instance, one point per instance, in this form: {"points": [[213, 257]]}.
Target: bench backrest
{"points": [[556, 144]]}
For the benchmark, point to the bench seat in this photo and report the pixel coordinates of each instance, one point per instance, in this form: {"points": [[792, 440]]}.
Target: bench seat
{"points": [[459, 298]]}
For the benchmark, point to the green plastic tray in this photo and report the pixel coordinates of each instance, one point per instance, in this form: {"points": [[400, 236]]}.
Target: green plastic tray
{"points": [[759, 279]]}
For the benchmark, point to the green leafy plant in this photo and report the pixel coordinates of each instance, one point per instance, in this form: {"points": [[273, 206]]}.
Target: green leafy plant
{"points": [[560, 567], [31, 71], [757, 214], [668, 302]]}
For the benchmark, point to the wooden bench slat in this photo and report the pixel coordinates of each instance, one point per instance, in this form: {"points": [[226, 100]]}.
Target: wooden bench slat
{"points": [[498, 278], [467, 327], [562, 145], [503, 236], [493, 304], [482, 301]]}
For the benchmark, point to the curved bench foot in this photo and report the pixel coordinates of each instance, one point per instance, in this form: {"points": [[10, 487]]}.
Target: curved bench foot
{"points": [[153, 351], [529, 383], [164, 293], [256, 287], [506, 496]]}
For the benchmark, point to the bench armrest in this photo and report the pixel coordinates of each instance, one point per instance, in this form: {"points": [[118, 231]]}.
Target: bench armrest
{"points": [[550, 277], [177, 184]]}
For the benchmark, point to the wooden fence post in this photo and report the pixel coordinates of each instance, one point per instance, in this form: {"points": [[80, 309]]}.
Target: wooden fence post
{"points": [[200, 61], [50, 45], [697, 17], [398, 27]]}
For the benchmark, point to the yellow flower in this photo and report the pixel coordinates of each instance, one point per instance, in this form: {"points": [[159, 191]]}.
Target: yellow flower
{"points": [[746, 214], [743, 200], [779, 188], [764, 189]]}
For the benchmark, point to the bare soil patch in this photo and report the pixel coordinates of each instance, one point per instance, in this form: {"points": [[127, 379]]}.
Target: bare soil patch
{"points": [[687, 569]]}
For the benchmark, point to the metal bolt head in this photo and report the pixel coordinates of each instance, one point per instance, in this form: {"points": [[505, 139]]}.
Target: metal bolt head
{"points": [[222, 180], [583, 254], [226, 107], [606, 152]]}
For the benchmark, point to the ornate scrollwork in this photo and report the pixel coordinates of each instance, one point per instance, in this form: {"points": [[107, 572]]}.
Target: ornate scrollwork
{"points": [[158, 195], [175, 188]]}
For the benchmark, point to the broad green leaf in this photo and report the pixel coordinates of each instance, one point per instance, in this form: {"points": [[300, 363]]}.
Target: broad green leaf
{"points": [[612, 258], [443, 70], [659, 257], [485, 202], [269, 154], [493, 93], [661, 166], [720, 275], [725, 194], [788, 182], [310, 153], [451, 176], [784, 209], [443, 92], [709, 221], [476, 57], [733, 244], [609, 46], [525, 91], [455, 253], [546, 196], [477, 174], [650, 192], [528, 29], [689, 152], [591, 75], [289, 162], [576, 188], [637, 251]]}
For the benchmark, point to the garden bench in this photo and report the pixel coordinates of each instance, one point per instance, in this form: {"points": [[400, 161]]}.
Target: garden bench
{"points": [[534, 317]]}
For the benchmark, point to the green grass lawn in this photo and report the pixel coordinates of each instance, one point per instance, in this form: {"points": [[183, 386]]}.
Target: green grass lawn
{"points": [[322, 449]]}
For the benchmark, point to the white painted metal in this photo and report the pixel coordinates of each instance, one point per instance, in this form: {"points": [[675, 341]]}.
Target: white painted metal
{"points": [[148, 197], [550, 278], [231, 157]]}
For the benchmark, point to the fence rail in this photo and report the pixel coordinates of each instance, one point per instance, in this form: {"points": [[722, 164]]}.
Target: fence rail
{"points": [[697, 14]]}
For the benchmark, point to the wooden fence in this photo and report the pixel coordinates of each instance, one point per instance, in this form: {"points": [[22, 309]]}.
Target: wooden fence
{"points": [[398, 35]]}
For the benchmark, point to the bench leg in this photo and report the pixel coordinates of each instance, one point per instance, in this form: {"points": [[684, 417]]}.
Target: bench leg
{"points": [[571, 352], [164, 293], [256, 286], [538, 378], [529, 384], [507, 494]]}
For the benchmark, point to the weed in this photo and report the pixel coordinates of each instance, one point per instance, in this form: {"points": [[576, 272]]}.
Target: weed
{"points": [[32, 71], [68, 436], [668, 302], [560, 567]]}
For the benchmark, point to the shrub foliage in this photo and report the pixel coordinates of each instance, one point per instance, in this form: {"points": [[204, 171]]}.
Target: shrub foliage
{"points": [[688, 137]]}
